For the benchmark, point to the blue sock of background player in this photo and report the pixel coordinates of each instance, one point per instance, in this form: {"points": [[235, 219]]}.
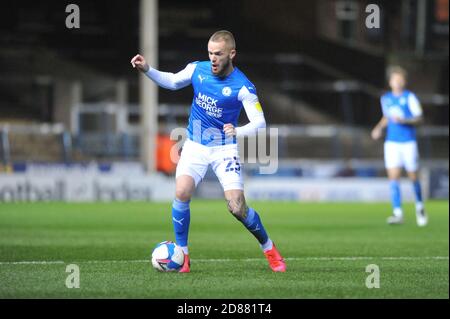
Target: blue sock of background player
{"points": [[418, 192], [396, 198]]}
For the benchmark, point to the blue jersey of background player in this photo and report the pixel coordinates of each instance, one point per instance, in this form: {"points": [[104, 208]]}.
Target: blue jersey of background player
{"points": [[398, 109], [220, 92], [402, 112]]}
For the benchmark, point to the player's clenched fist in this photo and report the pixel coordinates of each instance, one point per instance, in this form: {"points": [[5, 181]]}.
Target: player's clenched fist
{"points": [[138, 62], [229, 129]]}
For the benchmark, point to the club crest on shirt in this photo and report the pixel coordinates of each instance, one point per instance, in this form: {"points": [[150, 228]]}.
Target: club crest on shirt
{"points": [[226, 91]]}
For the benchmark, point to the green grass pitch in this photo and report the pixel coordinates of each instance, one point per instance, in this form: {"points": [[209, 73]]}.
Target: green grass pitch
{"points": [[327, 248]]}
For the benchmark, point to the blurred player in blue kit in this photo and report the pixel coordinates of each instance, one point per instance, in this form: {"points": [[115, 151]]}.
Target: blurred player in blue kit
{"points": [[402, 112], [221, 90]]}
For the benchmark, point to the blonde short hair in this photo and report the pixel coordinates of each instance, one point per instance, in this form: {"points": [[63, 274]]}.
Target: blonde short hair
{"points": [[224, 35], [396, 69]]}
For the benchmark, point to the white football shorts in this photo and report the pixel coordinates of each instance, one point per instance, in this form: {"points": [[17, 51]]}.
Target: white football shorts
{"points": [[224, 160], [399, 155]]}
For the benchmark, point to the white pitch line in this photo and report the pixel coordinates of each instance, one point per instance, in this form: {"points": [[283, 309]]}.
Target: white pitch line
{"points": [[373, 257], [53, 262], [32, 262]]}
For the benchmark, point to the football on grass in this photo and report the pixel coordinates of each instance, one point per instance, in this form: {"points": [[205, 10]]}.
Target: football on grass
{"points": [[167, 256]]}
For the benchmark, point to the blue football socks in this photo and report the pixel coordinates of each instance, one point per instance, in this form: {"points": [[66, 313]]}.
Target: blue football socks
{"points": [[417, 191], [395, 194], [181, 217], [254, 225]]}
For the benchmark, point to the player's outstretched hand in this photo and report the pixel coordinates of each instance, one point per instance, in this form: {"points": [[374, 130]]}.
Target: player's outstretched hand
{"points": [[138, 62], [229, 129]]}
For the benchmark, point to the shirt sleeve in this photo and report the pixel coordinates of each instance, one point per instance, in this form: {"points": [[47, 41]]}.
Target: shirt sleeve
{"points": [[253, 110], [172, 81], [414, 105]]}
